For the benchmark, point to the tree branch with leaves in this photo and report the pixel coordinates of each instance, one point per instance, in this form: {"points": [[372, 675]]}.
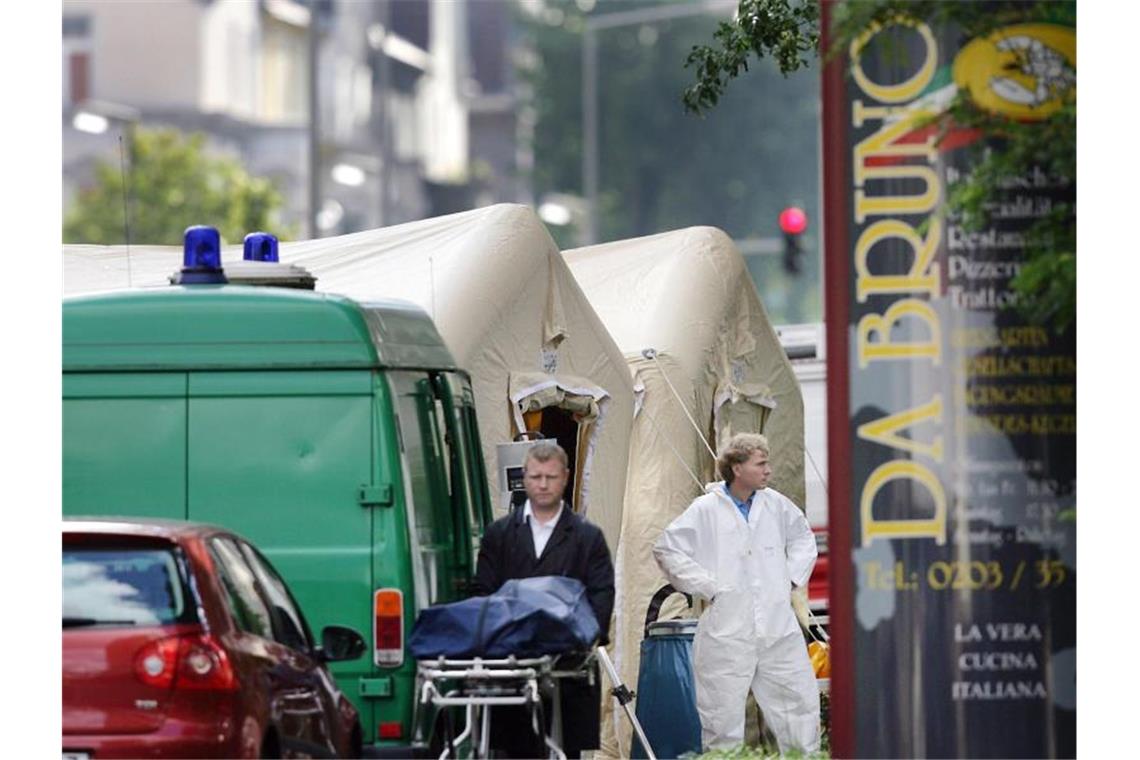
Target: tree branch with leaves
{"points": [[789, 33]]}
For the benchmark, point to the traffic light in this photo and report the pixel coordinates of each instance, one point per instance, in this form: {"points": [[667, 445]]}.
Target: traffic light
{"points": [[793, 221]]}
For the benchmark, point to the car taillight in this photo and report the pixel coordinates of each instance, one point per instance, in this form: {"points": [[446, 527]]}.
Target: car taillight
{"points": [[156, 663], [391, 729], [388, 627], [204, 665], [193, 661]]}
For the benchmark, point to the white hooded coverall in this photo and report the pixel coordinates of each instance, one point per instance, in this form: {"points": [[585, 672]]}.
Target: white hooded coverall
{"points": [[749, 637]]}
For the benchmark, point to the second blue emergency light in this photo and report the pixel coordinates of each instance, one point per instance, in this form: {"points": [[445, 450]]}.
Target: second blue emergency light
{"points": [[260, 246]]}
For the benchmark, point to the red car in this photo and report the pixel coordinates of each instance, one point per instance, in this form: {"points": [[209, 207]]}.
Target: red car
{"points": [[180, 640]]}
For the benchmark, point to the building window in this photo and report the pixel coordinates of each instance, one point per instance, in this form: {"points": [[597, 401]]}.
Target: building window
{"points": [[76, 59], [76, 26]]}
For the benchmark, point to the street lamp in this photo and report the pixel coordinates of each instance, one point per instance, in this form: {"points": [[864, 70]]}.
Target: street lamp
{"points": [[348, 174], [95, 117], [554, 213], [91, 123]]}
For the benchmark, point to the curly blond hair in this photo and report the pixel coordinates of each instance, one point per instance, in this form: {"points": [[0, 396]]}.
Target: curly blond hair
{"points": [[739, 450]]}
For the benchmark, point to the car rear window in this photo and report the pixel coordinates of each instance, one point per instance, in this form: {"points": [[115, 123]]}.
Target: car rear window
{"points": [[126, 586]]}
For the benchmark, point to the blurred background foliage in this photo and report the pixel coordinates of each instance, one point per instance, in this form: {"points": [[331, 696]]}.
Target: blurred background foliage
{"points": [[659, 167], [172, 183]]}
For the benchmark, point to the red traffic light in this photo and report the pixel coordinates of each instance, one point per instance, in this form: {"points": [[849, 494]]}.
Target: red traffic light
{"points": [[793, 220]]}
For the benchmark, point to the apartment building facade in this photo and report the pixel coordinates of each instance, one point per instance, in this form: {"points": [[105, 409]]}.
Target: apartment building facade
{"points": [[416, 112]]}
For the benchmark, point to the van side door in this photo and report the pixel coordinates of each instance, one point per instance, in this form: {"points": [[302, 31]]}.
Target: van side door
{"points": [[471, 503], [428, 486]]}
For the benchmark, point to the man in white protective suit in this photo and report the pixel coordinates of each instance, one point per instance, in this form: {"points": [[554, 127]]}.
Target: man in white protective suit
{"points": [[743, 546]]}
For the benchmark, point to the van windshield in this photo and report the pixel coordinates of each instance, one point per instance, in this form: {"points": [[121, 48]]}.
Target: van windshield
{"points": [[122, 587]]}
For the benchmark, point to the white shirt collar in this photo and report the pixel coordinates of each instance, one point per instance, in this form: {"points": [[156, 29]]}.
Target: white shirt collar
{"points": [[548, 524], [540, 532]]}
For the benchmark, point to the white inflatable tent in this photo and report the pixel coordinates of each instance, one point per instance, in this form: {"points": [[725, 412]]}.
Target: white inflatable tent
{"points": [[505, 303], [706, 364]]}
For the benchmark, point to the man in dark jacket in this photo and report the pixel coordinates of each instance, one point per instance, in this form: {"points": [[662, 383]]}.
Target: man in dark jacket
{"points": [[543, 537]]}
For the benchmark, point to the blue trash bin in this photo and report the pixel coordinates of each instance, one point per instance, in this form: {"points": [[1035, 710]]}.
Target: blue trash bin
{"points": [[666, 692]]}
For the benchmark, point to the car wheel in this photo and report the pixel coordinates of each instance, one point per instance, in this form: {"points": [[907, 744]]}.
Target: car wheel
{"points": [[356, 742], [270, 747]]}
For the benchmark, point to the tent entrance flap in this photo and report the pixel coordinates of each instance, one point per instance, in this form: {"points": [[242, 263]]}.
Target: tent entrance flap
{"points": [[564, 408], [741, 409]]}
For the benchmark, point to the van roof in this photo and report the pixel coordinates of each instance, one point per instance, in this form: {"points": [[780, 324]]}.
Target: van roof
{"points": [[241, 327]]}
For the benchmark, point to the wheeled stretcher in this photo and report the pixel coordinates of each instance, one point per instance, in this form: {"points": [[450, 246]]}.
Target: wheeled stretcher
{"points": [[477, 685], [515, 647]]}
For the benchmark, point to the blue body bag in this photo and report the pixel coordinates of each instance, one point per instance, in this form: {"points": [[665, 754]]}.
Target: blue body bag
{"points": [[527, 617]]}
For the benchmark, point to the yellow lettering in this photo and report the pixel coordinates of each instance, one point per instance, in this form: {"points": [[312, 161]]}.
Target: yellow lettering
{"points": [[886, 205], [882, 143], [884, 430], [903, 91], [917, 279], [885, 348], [860, 113], [934, 527]]}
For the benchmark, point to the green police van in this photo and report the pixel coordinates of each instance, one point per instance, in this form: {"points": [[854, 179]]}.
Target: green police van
{"points": [[339, 436]]}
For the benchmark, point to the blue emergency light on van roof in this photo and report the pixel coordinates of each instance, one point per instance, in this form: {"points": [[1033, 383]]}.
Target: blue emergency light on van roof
{"points": [[201, 256], [201, 248], [260, 246]]}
